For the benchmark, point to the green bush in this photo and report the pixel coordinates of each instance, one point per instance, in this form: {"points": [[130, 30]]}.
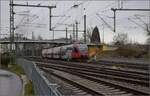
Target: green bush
{"points": [[16, 69]]}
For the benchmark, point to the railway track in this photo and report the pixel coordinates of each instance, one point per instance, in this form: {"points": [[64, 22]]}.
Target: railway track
{"points": [[127, 82], [124, 64], [92, 72], [101, 69], [141, 77], [88, 66], [93, 85], [65, 88], [118, 66]]}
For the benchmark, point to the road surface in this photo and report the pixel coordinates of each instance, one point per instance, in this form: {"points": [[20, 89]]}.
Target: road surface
{"points": [[10, 84]]}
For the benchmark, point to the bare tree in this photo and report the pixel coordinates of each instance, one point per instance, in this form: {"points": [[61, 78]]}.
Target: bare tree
{"points": [[120, 39]]}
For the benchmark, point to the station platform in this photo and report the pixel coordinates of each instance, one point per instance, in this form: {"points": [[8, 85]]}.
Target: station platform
{"points": [[10, 84]]}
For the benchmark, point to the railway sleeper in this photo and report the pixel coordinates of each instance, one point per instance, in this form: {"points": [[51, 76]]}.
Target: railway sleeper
{"points": [[134, 81], [101, 71], [75, 91], [124, 86]]}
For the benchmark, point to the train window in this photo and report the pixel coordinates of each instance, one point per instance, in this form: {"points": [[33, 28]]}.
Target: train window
{"points": [[83, 48]]}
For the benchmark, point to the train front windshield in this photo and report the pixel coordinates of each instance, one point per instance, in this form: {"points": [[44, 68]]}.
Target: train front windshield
{"points": [[83, 48]]}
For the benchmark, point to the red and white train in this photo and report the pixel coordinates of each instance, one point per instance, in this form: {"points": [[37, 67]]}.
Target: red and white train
{"points": [[67, 52]]}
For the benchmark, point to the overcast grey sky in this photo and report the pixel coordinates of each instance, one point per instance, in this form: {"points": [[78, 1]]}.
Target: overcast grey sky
{"points": [[102, 7]]}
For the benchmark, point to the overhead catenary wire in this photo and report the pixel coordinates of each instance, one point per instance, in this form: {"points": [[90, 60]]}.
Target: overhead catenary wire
{"points": [[26, 22], [109, 26], [58, 21], [143, 27], [29, 18], [68, 10], [140, 19], [110, 17], [107, 7], [102, 10]]}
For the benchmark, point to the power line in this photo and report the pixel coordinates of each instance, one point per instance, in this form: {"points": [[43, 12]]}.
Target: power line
{"points": [[140, 19], [143, 27], [109, 26], [68, 10], [115, 9]]}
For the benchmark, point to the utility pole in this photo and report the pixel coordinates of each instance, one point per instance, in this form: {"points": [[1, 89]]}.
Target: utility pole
{"points": [[76, 31], [0, 44], [11, 30], [11, 25], [66, 36], [33, 37], [70, 38], [50, 19], [73, 32], [84, 27], [114, 20]]}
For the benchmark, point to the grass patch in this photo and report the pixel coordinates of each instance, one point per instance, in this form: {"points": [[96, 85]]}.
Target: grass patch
{"points": [[29, 89], [16, 69], [109, 53]]}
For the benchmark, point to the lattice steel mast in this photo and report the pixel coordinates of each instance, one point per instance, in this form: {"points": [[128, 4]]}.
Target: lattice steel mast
{"points": [[11, 25]]}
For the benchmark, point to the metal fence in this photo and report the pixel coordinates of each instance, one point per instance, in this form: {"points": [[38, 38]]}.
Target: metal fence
{"points": [[42, 85]]}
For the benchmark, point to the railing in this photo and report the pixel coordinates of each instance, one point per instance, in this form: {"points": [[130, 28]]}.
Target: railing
{"points": [[42, 85]]}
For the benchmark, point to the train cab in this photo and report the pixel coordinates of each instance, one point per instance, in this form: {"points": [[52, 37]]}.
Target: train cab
{"points": [[80, 51]]}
